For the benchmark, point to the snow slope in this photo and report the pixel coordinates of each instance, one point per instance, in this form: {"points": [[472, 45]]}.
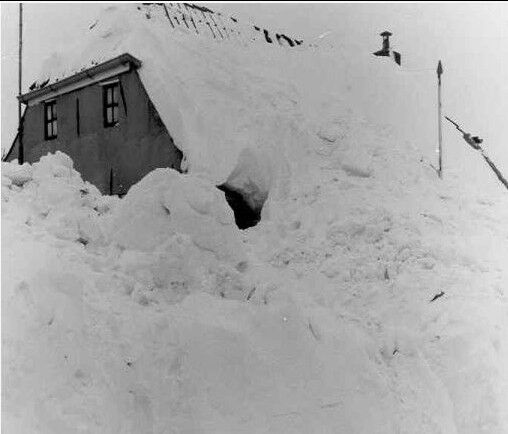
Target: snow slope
{"points": [[155, 314]]}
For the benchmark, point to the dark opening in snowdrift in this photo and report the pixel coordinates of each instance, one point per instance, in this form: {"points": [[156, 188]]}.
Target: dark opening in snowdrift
{"points": [[245, 215]]}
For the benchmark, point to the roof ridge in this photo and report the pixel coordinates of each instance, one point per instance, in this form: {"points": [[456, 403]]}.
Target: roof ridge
{"points": [[204, 21]]}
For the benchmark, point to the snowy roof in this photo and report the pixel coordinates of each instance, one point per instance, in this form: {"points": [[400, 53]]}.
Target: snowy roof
{"points": [[204, 21], [197, 84], [83, 78]]}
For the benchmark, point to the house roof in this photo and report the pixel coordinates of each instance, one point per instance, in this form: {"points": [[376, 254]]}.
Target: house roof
{"points": [[83, 78], [196, 84]]}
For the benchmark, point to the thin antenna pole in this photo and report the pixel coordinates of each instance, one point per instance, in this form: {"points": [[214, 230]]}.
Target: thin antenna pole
{"points": [[21, 149], [440, 120]]}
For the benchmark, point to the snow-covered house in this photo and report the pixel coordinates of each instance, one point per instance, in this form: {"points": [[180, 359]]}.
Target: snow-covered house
{"points": [[130, 96], [103, 118]]}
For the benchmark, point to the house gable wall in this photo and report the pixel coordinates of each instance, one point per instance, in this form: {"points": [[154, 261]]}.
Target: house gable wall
{"points": [[131, 149]]}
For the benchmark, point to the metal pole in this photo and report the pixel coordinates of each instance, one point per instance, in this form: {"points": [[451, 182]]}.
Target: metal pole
{"points": [[21, 150], [440, 120]]}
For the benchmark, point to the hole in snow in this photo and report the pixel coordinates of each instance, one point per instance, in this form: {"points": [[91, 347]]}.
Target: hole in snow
{"points": [[246, 215]]}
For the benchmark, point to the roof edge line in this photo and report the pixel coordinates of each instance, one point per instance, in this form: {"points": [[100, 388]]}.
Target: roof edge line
{"points": [[87, 73]]}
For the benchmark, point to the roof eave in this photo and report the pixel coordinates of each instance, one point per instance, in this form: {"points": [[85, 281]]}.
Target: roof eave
{"points": [[87, 73]]}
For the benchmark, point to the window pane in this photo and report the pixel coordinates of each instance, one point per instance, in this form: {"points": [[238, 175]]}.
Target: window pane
{"points": [[109, 96], [115, 93], [54, 110], [109, 115], [55, 129], [115, 114], [48, 130], [48, 111]]}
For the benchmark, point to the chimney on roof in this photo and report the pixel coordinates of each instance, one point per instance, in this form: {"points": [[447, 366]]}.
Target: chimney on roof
{"points": [[386, 40], [385, 49]]}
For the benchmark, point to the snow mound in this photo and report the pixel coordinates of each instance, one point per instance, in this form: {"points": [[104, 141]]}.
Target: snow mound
{"points": [[165, 203], [16, 174], [51, 195], [177, 235]]}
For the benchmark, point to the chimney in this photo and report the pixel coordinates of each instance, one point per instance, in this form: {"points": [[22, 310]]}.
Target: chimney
{"points": [[385, 49]]}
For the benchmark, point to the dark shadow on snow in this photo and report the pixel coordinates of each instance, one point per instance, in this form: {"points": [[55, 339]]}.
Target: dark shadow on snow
{"points": [[245, 215]]}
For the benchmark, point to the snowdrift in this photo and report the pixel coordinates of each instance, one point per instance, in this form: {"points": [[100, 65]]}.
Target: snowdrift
{"points": [[371, 297], [198, 87], [166, 203]]}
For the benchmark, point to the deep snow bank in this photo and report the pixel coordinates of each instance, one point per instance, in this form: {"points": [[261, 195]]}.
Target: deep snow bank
{"points": [[147, 322], [109, 333], [166, 203], [177, 225], [51, 195], [153, 313]]}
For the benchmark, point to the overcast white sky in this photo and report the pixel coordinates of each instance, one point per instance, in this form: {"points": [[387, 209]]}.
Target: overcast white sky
{"points": [[471, 39]]}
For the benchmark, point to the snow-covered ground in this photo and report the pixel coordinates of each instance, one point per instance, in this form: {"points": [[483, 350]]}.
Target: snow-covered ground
{"points": [[154, 314]]}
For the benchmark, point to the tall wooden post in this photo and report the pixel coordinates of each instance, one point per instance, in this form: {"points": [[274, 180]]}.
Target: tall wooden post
{"points": [[21, 149], [440, 119]]}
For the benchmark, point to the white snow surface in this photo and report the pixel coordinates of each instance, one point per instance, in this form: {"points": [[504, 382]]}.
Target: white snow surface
{"points": [[154, 314]]}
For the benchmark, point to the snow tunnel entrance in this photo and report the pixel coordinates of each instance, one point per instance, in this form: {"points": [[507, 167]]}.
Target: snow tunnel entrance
{"points": [[246, 215]]}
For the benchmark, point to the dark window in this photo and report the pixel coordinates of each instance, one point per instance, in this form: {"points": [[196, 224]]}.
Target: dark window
{"points": [[110, 104], [50, 124]]}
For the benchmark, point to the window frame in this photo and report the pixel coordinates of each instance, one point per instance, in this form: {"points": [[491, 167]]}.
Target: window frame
{"points": [[50, 120], [109, 107]]}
